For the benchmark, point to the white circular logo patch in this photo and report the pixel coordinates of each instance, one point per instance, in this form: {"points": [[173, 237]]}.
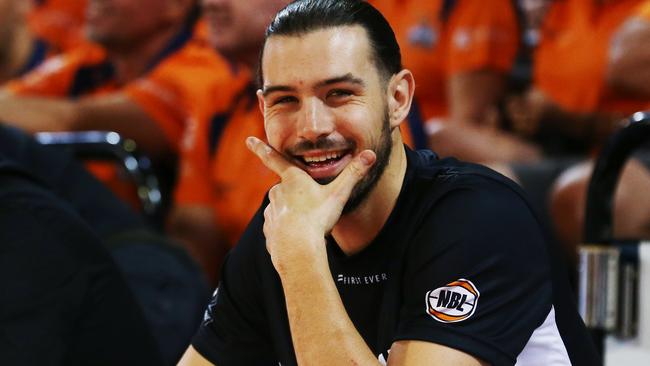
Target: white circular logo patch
{"points": [[452, 303]]}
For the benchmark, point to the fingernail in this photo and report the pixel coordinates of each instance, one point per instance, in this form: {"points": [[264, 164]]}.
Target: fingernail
{"points": [[249, 142], [366, 158]]}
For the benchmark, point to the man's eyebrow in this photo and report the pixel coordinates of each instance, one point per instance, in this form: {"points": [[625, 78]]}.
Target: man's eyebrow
{"points": [[276, 88], [347, 78]]}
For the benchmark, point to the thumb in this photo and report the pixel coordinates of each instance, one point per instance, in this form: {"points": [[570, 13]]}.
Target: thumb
{"points": [[355, 171]]}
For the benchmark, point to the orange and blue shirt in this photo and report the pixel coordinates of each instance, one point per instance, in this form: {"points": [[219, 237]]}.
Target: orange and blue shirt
{"points": [[571, 60], [442, 38]]}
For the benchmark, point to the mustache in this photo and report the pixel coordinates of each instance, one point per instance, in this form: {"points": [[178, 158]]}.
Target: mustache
{"points": [[321, 143]]}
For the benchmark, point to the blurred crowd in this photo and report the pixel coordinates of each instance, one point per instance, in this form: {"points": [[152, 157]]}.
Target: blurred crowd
{"points": [[531, 88]]}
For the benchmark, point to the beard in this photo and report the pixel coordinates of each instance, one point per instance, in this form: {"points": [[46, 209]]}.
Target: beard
{"points": [[365, 186]]}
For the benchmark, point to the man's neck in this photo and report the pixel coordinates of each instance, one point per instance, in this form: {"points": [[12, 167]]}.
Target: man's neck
{"points": [[16, 54], [133, 61], [354, 231]]}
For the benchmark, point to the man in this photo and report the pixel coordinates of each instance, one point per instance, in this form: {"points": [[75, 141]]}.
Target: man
{"points": [[365, 246], [217, 195]]}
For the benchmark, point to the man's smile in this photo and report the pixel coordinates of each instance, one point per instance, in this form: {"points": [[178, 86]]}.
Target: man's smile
{"points": [[323, 166]]}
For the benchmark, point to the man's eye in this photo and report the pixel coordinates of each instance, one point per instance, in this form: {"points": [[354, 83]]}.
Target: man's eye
{"points": [[285, 100], [336, 93]]}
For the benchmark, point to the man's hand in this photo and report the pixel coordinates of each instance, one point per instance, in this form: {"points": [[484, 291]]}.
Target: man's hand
{"points": [[301, 211]]}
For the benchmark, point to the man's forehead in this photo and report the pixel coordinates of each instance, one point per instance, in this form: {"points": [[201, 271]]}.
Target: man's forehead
{"points": [[318, 55]]}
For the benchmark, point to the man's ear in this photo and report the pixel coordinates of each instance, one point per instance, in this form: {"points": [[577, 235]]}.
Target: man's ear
{"points": [[260, 100], [401, 88]]}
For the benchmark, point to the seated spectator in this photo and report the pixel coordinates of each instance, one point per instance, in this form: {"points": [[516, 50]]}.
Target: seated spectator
{"points": [[570, 100], [220, 182], [64, 301], [627, 76], [461, 53], [141, 83]]}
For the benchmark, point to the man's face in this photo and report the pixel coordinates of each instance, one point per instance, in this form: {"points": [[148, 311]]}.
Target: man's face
{"points": [[324, 102], [125, 22], [237, 26]]}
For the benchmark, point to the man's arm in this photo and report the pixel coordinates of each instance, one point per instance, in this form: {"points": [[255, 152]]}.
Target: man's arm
{"points": [[192, 358], [114, 112], [427, 353], [628, 72]]}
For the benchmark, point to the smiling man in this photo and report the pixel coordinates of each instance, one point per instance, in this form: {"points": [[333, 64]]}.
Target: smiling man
{"points": [[366, 248]]}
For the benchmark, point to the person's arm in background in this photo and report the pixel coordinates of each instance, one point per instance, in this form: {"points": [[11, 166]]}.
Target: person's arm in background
{"points": [[628, 71], [113, 112]]}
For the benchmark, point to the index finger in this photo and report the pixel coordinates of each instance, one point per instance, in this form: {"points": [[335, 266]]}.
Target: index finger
{"points": [[269, 156]]}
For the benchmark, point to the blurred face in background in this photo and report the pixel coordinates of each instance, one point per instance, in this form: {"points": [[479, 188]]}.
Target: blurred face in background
{"points": [[237, 26], [124, 23]]}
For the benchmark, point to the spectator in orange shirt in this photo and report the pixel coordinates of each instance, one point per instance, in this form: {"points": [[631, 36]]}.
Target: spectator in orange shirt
{"points": [[626, 76], [221, 183], [461, 53], [570, 97], [20, 49], [141, 83]]}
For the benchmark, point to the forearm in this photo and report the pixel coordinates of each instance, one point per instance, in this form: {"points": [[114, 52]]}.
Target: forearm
{"points": [[34, 114], [321, 330]]}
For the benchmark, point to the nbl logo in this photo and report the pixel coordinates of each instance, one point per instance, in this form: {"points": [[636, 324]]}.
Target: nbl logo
{"points": [[452, 303]]}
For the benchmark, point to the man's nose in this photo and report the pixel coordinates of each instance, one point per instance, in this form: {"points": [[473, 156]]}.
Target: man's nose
{"points": [[315, 120]]}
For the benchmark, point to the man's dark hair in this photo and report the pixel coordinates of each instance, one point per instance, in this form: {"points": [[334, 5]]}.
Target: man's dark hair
{"points": [[305, 16]]}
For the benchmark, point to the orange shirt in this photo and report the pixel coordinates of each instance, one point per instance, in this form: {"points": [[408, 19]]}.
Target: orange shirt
{"points": [[167, 92], [218, 171], [644, 10], [441, 38], [571, 59]]}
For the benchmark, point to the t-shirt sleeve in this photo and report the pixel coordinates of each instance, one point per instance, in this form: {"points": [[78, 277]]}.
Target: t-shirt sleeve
{"points": [[482, 36], [477, 279], [234, 330]]}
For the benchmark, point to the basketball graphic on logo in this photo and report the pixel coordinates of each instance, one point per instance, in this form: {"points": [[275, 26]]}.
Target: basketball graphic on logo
{"points": [[452, 303]]}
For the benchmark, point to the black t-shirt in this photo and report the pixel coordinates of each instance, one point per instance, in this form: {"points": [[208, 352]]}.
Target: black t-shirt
{"points": [[62, 299], [460, 262]]}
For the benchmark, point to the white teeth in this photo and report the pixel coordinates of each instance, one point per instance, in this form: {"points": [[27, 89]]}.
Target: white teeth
{"points": [[327, 156]]}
